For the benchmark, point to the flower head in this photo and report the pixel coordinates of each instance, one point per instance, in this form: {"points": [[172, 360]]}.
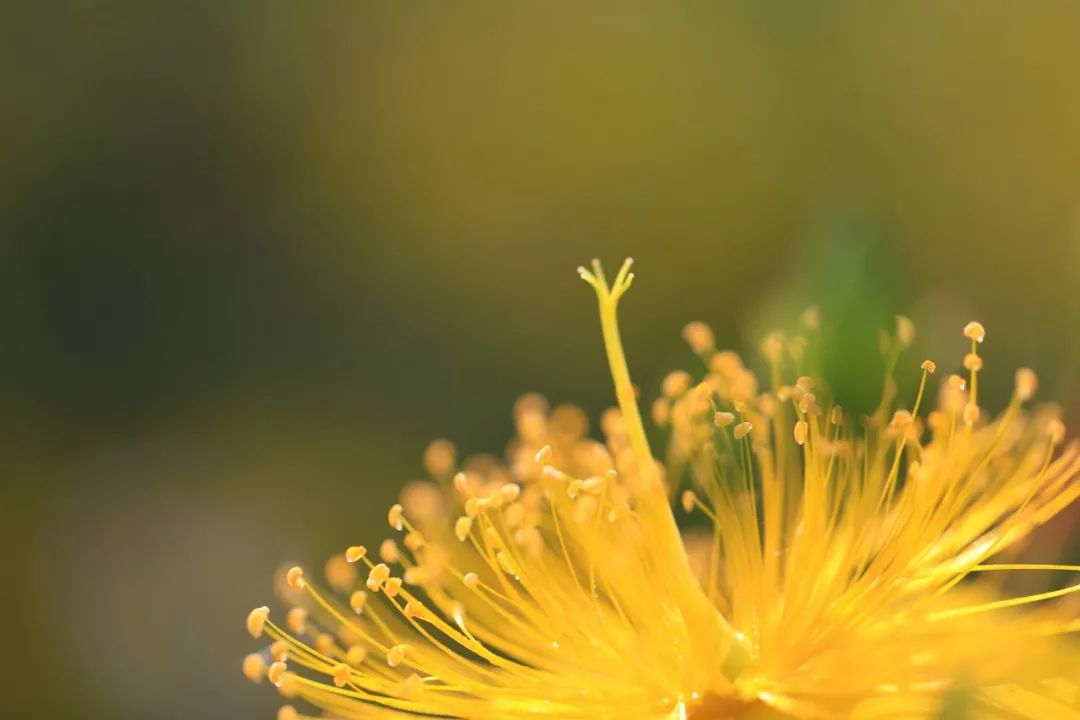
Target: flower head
{"points": [[845, 571]]}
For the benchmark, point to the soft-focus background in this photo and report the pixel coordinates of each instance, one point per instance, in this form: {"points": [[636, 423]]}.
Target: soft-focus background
{"points": [[254, 257]]}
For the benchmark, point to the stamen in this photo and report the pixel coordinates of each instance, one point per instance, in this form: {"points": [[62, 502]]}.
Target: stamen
{"points": [[254, 667], [256, 620], [295, 578], [355, 553], [394, 516]]}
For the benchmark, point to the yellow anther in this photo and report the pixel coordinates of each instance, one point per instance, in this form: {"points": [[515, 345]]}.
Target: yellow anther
{"points": [[296, 620], [742, 430], [324, 643], [392, 587], [594, 485], [377, 576], [471, 580], [416, 575], [414, 609], [414, 540], [439, 458], [279, 650], [287, 712], [254, 666], [836, 416], [772, 347], [357, 601], [929, 366], [295, 578], [688, 500], [394, 516], [801, 429], [411, 686], [573, 489], [902, 418], [462, 527], [543, 454], [461, 484], [287, 686], [973, 362], [341, 674], [339, 573], [1056, 430], [504, 562], [1027, 382], [699, 337], [396, 654], [723, 419], [905, 331], [277, 669], [475, 505], [675, 384], [389, 551], [510, 492], [971, 414], [355, 553], [256, 619], [661, 411], [807, 402], [975, 331], [956, 382], [355, 655]]}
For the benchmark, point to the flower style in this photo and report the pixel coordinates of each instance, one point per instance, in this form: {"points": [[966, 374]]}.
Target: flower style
{"points": [[845, 573]]}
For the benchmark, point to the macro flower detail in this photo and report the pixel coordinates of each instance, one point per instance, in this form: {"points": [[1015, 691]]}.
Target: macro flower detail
{"points": [[838, 566]]}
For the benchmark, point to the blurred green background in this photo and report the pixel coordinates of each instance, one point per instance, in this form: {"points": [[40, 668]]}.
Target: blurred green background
{"points": [[255, 256]]}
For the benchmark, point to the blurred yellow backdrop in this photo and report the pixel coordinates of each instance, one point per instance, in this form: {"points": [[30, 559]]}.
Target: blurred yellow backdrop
{"points": [[255, 257]]}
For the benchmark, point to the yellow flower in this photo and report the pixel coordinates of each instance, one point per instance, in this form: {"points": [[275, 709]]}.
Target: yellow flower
{"points": [[845, 573]]}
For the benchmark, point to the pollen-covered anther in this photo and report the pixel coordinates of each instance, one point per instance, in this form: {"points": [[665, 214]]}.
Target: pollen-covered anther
{"points": [[975, 331], [956, 382], [414, 609], [675, 384], [295, 578], [357, 601], [723, 419], [287, 712], [929, 366], [254, 667], [355, 655], [341, 674], [688, 500], [439, 458], [836, 415], [971, 414], [901, 419], [324, 643], [389, 551], [801, 429], [394, 516], [256, 620], [414, 540], [462, 527], [1027, 382], [288, 686], [1056, 429], [594, 485], [742, 430], [973, 362], [377, 576], [461, 484], [279, 650], [471, 580], [699, 337], [505, 563], [355, 553], [296, 620], [510, 492], [396, 654], [573, 489], [392, 586], [275, 673]]}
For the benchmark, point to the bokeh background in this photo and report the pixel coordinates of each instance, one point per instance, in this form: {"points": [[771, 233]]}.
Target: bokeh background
{"points": [[255, 256]]}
